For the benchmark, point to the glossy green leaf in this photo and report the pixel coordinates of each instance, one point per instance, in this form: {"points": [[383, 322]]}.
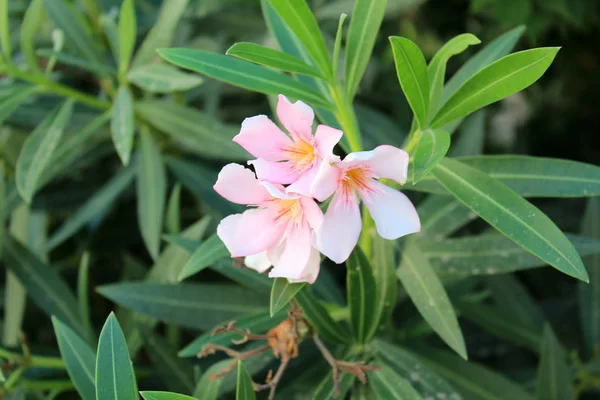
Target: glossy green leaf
{"points": [[115, 379], [127, 34], [412, 74], [282, 293], [162, 78], [100, 201], [83, 296], [208, 387], [320, 319], [387, 384], [67, 59], [199, 306], [31, 23], [161, 34], [511, 215], [362, 296], [10, 103], [79, 358], [437, 66], [272, 58], [430, 298], [164, 396], [5, 43], [43, 284], [589, 294], [151, 192], [210, 251], [384, 272], [433, 146], [173, 217], [337, 46], [364, 27], [122, 124], [39, 148], [258, 322], [490, 53], [441, 216], [424, 380], [194, 130], [244, 390], [243, 74], [498, 80], [554, 380], [299, 18], [76, 31]]}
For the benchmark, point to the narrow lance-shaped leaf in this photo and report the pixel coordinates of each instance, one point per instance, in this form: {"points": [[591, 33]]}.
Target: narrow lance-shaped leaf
{"points": [[210, 251], [165, 396], [433, 146], [272, 58], [412, 74], [245, 389], [115, 379], [511, 215], [31, 23], [589, 294], [320, 319], [387, 384], [498, 80], [243, 74], [299, 18], [151, 192], [384, 272], [362, 34], [430, 298], [2, 207], [162, 78], [122, 124], [362, 293], [38, 149], [554, 380], [10, 103], [282, 293], [66, 59], [127, 34], [5, 43]]}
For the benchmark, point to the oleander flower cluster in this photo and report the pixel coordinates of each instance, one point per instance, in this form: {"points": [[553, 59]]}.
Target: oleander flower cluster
{"points": [[284, 228]]}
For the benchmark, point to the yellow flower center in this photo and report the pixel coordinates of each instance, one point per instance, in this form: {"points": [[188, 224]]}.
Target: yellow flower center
{"points": [[301, 154], [355, 179], [289, 209]]}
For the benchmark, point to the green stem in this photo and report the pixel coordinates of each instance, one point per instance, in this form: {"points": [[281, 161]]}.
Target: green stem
{"points": [[13, 378], [346, 117], [45, 385], [33, 361]]}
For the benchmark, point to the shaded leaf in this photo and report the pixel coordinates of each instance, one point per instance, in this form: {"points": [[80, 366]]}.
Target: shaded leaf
{"points": [[210, 251], [384, 272], [433, 146], [127, 34], [122, 124], [362, 296], [387, 384], [164, 396], [320, 319], [162, 78], [282, 293], [31, 22], [554, 381], [244, 390], [589, 294]]}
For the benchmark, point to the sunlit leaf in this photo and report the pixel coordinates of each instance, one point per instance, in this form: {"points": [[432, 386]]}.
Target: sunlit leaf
{"points": [[282, 293], [244, 390], [127, 34], [387, 384], [164, 396], [31, 23], [433, 146]]}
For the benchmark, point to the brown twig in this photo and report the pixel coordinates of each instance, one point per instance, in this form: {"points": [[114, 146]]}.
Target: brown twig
{"points": [[236, 355], [272, 382], [246, 335]]}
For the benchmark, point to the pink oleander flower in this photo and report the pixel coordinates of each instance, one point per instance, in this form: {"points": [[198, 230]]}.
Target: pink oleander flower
{"points": [[278, 231], [284, 159], [355, 176]]}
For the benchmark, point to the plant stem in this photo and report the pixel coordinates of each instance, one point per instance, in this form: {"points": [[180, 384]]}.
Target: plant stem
{"points": [[346, 117], [33, 361], [44, 385]]}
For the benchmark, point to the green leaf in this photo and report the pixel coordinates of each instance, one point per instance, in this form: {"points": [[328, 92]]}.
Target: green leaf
{"points": [[79, 358], [501, 324], [272, 58], [243, 74], [437, 66], [199, 306], [511, 215], [100, 201], [299, 19], [2, 206], [188, 245], [474, 381], [244, 276], [554, 380], [433, 146], [387, 384], [412, 74], [31, 23], [362, 34], [337, 46], [498, 80], [430, 298], [83, 296], [162, 78], [67, 59], [209, 252], [512, 297], [589, 305], [173, 217], [282, 293], [177, 374], [424, 380], [490, 53], [115, 379], [325, 389], [76, 30], [471, 138], [122, 124], [441, 216], [161, 34], [151, 192], [43, 284], [11, 102], [37, 151], [362, 296], [5, 30], [208, 387], [384, 272], [244, 390], [127, 35], [320, 319], [259, 322], [194, 130], [165, 396]]}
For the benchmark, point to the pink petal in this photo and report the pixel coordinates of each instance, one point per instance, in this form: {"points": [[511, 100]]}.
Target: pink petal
{"points": [[274, 171], [278, 191], [262, 138], [304, 184], [326, 138], [311, 271], [250, 233], [239, 185], [259, 262], [392, 211], [326, 181], [341, 227], [384, 162], [312, 212], [296, 117], [295, 255]]}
